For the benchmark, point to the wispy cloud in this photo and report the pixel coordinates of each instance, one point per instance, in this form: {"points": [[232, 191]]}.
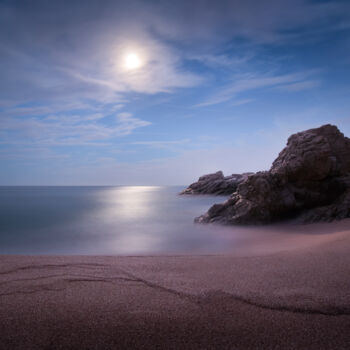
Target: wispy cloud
{"points": [[269, 21], [241, 102], [162, 144], [254, 82], [223, 60], [127, 124], [30, 153], [55, 55], [302, 85], [65, 130]]}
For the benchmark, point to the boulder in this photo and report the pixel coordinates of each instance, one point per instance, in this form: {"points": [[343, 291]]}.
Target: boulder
{"points": [[216, 184], [309, 180]]}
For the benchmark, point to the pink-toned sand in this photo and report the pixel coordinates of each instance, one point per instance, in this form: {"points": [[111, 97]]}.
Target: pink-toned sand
{"points": [[291, 296]]}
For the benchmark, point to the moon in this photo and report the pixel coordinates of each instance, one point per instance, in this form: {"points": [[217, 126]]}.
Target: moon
{"points": [[132, 61]]}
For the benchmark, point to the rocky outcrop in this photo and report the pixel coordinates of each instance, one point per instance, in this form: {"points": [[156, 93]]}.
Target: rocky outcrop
{"points": [[216, 183], [309, 180]]}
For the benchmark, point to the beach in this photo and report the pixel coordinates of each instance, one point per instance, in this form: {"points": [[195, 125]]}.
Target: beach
{"points": [[295, 297]]}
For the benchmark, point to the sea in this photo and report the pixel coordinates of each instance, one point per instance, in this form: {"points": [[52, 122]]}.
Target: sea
{"points": [[116, 220]]}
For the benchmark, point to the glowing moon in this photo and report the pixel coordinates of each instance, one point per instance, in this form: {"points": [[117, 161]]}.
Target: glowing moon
{"points": [[132, 61]]}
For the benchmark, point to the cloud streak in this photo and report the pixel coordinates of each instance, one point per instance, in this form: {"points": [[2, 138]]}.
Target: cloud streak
{"points": [[67, 130], [291, 82]]}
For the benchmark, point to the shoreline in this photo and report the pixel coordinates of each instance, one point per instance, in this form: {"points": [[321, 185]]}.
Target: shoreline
{"points": [[289, 299]]}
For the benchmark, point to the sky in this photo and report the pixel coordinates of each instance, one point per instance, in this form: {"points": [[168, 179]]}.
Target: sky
{"points": [[160, 92]]}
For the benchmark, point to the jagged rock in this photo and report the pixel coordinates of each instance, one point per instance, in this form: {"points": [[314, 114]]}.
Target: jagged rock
{"points": [[309, 180], [216, 183]]}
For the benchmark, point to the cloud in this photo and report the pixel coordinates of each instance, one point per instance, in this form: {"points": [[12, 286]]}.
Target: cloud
{"points": [[164, 144], [254, 82], [52, 55], [55, 56], [30, 153], [67, 130], [222, 60], [300, 86], [242, 102], [127, 124], [181, 169], [268, 21], [254, 151]]}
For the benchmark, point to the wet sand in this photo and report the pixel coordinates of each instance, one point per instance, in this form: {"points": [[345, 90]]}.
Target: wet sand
{"points": [[291, 296]]}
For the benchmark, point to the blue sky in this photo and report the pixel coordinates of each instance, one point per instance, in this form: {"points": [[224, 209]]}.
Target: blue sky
{"points": [[220, 85]]}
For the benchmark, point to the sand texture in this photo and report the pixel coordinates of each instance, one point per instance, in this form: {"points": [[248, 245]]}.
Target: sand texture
{"points": [[291, 299]]}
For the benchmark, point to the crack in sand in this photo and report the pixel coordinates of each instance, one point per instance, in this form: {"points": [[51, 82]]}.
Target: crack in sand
{"points": [[337, 311], [33, 291], [102, 279], [201, 300], [81, 279], [156, 286], [39, 267]]}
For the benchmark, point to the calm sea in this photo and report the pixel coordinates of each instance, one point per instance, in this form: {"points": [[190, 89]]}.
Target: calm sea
{"points": [[105, 220]]}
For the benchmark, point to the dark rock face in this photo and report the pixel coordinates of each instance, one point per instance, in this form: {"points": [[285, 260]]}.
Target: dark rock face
{"points": [[216, 183], [309, 180]]}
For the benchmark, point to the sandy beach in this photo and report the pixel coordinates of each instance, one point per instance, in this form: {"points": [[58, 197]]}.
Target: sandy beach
{"points": [[297, 297]]}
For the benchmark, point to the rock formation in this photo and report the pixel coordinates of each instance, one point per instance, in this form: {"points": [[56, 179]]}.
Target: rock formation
{"points": [[216, 183], [309, 180]]}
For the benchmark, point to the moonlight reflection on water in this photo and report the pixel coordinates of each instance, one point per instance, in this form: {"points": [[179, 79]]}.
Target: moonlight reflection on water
{"points": [[129, 220]]}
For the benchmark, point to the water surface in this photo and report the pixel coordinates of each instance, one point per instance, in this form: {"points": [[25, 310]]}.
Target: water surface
{"points": [[103, 220], [133, 220]]}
